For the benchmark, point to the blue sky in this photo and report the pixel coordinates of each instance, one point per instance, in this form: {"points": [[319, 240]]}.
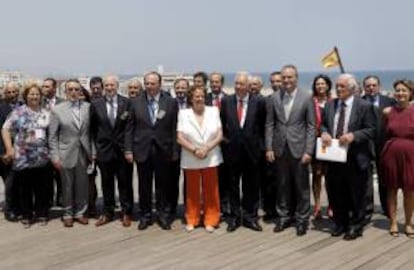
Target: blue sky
{"points": [[81, 36]]}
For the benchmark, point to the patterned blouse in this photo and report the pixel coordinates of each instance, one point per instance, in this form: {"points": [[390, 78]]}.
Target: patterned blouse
{"points": [[29, 134]]}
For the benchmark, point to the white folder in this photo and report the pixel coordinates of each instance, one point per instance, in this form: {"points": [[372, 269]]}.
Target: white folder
{"points": [[334, 152]]}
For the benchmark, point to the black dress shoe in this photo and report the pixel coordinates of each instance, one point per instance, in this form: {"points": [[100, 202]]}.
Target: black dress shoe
{"points": [[143, 224], [280, 227], [301, 229], [338, 231], [253, 225], [164, 224], [232, 226], [352, 234], [11, 216]]}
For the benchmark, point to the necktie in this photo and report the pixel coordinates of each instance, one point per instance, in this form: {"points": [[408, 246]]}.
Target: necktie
{"points": [[240, 111], [216, 102], [341, 121], [152, 109], [76, 112], [111, 112]]}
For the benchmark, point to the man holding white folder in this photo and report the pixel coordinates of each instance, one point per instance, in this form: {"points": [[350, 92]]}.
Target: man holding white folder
{"points": [[351, 120]]}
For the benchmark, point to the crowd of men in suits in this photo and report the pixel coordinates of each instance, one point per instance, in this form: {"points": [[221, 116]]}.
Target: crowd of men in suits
{"points": [[269, 142]]}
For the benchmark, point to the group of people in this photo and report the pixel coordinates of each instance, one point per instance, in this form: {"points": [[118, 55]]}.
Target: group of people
{"points": [[238, 152]]}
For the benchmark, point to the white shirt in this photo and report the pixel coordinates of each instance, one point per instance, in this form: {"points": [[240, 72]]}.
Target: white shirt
{"points": [[200, 135], [348, 108], [114, 103], [288, 100]]}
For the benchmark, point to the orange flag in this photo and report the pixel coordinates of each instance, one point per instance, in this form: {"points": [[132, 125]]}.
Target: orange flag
{"points": [[331, 59]]}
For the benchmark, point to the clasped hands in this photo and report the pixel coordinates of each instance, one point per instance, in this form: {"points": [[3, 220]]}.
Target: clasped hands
{"points": [[345, 139]]}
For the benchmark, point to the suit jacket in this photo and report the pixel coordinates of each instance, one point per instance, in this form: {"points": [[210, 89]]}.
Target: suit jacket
{"points": [[379, 141], [297, 132], [362, 123], [44, 102], [108, 141], [141, 133], [250, 136], [66, 138], [5, 110], [209, 98]]}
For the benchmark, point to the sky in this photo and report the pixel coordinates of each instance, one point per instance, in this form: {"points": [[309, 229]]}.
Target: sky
{"points": [[134, 36]]}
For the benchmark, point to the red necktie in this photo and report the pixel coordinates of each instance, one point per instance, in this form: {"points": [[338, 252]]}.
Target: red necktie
{"points": [[240, 111]]}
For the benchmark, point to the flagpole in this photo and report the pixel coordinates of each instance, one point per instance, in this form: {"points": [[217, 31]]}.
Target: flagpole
{"points": [[341, 67]]}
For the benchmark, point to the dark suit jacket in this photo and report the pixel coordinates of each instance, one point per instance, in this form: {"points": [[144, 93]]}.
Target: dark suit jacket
{"points": [[251, 136], [5, 109], [108, 140], [209, 98], [362, 124], [141, 133], [379, 141], [44, 103]]}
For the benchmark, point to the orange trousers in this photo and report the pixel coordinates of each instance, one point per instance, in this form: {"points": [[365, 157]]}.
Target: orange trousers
{"points": [[211, 200]]}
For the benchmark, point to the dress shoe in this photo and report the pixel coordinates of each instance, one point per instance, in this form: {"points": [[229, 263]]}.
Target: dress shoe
{"points": [[164, 224], [104, 219], [68, 222], [232, 226], [143, 224], [280, 227], [352, 234], [253, 225], [42, 221], [301, 229], [26, 223], [210, 229], [126, 220], [338, 231], [11, 216], [189, 228], [82, 220]]}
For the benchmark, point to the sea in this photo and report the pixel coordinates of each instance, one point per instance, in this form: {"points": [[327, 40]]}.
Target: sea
{"points": [[387, 78]]}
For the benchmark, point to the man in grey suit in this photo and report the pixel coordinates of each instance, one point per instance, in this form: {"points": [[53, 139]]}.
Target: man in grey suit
{"points": [[70, 151], [290, 141]]}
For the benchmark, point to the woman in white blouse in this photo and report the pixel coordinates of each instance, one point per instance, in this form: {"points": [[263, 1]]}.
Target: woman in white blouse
{"points": [[199, 133]]}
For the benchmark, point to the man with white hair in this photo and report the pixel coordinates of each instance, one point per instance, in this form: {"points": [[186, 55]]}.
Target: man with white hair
{"points": [[134, 87], [243, 116], [109, 116], [351, 120]]}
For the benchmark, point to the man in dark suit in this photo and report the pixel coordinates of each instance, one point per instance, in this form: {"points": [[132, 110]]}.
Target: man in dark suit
{"points": [[151, 141], [243, 116], [49, 101], [181, 87], [290, 141], [109, 116], [351, 120], [10, 102], [214, 98], [372, 87], [96, 89]]}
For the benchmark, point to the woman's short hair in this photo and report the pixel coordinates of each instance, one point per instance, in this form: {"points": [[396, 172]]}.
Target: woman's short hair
{"points": [[327, 81], [29, 85], [191, 91]]}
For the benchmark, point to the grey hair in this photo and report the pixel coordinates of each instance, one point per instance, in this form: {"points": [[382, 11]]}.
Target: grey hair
{"points": [[256, 77], [243, 74], [134, 80], [111, 76], [351, 81], [12, 84]]}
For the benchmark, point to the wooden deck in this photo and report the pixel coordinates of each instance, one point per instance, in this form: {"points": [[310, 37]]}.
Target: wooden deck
{"points": [[115, 247]]}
